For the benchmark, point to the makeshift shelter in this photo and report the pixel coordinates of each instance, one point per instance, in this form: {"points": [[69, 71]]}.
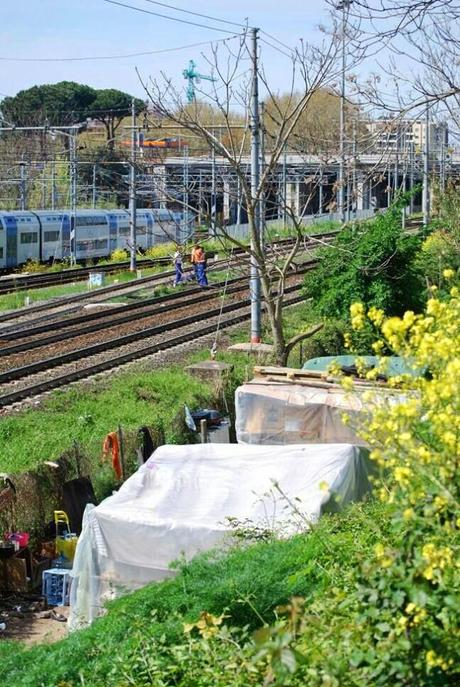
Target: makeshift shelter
{"points": [[290, 413], [178, 504]]}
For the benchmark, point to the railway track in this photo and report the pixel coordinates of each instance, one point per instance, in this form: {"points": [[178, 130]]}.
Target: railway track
{"points": [[32, 379], [22, 282], [107, 292], [25, 337], [36, 378]]}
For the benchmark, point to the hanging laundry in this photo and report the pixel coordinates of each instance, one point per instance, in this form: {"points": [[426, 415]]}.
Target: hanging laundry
{"points": [[147, 445], [112, 445]]}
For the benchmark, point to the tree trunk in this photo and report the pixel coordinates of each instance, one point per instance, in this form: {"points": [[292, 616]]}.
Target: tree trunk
{"points": [[274, 310]]}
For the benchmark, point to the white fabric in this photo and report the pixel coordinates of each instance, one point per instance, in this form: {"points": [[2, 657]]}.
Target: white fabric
{"points": [[270, 413], [177, 504]]}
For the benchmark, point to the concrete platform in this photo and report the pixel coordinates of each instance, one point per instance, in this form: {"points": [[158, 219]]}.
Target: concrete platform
{"points": [[210, 370], [255, 348], [102, 304]]}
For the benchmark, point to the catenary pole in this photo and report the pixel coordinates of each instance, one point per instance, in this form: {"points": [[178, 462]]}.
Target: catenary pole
{"points": [[284, 183], [344, 5], [94, 187], [254, 284], [263, 200], [426, 163], [53, 185], [23, 186], [132, 191], [411, 176], [213, 190], [73, 195]]}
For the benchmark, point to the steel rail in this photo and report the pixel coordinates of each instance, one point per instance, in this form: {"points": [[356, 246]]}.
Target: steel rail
{"points": [[162, 302], [79, 353], [63, 336], [140, 283], [83, 373], [21, 282]]}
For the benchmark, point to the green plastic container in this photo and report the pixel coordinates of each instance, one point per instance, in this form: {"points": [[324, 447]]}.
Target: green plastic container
{"points": [[397, 366]]}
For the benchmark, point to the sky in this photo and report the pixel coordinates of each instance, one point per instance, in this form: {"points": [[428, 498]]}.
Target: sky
{"points": [[38, 29]]}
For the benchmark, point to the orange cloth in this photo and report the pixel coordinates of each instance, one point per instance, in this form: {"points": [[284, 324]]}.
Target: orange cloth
{"points": [[199, 255], [111, 445]]}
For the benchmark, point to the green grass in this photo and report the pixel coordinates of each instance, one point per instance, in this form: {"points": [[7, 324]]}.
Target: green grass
{"points": [[247, 584], [17, 299], [85, 415]]}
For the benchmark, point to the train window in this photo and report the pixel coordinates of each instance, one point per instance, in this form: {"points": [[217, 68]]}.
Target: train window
{"points": [[100, 244], [51, 236], [87, 221], [123, 231], [1, 252], [29, 238]]}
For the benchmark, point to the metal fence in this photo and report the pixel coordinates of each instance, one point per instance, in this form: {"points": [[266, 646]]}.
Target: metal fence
{"points": [[241, 231]]}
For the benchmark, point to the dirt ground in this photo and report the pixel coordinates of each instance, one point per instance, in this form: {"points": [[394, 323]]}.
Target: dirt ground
{"points": [[33, 628]]}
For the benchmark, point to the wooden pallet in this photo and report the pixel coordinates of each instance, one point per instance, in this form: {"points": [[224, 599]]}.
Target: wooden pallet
{"points": [[291, 375]]}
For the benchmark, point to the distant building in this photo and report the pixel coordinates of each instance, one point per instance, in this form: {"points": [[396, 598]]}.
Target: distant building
{"points": [[400, 134]]}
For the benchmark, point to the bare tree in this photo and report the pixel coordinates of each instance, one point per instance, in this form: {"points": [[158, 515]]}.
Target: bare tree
{"points": [[416, 46], [312, 70]]}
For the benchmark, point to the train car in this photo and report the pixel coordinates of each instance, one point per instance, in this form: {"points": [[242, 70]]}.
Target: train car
{"points": [[92, 234], [118, 221], [44, 235], [55, 234], [119, 226], [144, 229], [20, 238]]}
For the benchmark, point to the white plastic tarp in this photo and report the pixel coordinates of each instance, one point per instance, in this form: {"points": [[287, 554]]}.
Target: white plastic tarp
{"points": [[177, 504], [277, 413]]}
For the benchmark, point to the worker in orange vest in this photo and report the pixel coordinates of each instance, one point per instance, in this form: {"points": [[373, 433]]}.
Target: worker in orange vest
{"points": [[193, 261], [200, 262], [198, 259]]}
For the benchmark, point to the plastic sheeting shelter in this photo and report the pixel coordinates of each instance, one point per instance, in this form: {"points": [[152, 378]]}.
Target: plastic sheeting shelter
{"points": [[177, 504], [277, 413]]}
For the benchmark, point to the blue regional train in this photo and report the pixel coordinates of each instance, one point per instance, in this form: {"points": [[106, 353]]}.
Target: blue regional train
{"points": [[44, 235]]}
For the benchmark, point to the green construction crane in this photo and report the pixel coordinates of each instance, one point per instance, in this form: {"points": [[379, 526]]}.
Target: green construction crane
{"points": [[193, 78]]}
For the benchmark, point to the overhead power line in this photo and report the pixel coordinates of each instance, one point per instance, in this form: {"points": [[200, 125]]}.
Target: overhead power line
{"points": [[110, 57], [196, 14], [275, 47], [166, 16], [273, 38]]}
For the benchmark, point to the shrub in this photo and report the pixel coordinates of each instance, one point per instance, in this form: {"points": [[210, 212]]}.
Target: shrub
{"points": [[119, 255], [372, 262]]}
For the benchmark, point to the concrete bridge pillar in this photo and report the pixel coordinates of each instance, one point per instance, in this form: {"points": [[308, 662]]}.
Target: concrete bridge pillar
{"points": [[226, 200], [293, 198]]}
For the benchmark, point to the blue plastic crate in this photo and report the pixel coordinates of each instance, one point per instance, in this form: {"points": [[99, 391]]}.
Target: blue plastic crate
{"points": [[56, 586]]}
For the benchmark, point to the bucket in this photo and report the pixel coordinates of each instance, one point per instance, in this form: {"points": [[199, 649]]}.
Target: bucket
{"points": [[21, 538], [66, 543]]}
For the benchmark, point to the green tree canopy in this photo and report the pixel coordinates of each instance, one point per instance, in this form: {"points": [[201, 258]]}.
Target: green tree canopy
{"points": [[64, 103], [110, 107], [67, 103]]}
